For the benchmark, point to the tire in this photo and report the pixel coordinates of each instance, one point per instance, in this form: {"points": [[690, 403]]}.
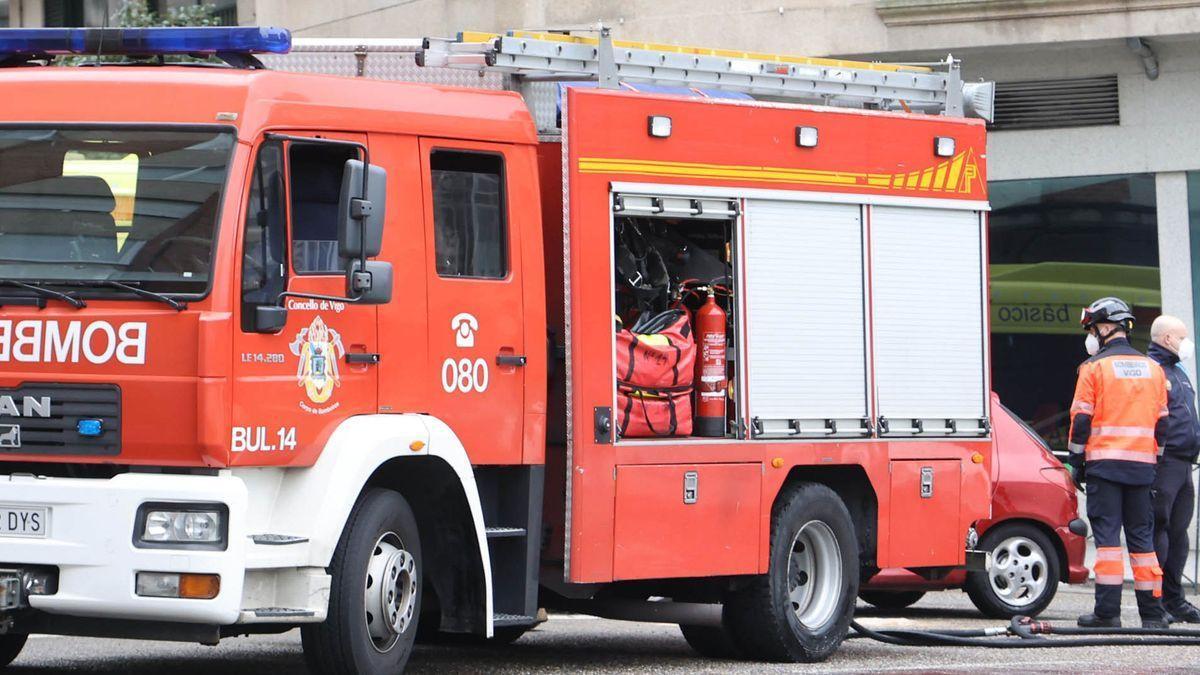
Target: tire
{"points": [[10, 648], [371, 626], [801, 609], [1024, 575], [892, 600], [711, 641]]}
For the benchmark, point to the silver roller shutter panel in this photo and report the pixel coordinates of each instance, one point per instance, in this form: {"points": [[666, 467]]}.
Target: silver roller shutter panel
{"points": [[804, 294], [927, 300]]}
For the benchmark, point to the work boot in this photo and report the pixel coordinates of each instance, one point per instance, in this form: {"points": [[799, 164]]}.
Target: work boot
{"points": [[1184, 613], [1093, 621], [1156, 623]]}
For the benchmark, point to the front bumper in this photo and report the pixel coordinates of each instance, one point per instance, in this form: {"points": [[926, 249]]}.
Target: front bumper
{"points": [[90, 542]]}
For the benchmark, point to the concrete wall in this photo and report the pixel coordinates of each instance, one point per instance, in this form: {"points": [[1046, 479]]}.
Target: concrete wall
{"points": [[816, 28]]}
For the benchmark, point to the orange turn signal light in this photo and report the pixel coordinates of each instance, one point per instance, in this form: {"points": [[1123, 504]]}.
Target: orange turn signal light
{"points": [[977, 458], [416, 446], [777, 462], [199, 586]]}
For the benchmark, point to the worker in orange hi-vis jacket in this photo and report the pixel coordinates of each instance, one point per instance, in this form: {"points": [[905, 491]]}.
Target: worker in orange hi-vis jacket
{"points": [[1118, 426]]}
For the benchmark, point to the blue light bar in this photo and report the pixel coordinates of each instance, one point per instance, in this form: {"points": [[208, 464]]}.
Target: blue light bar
{"points": [[144, 41]]}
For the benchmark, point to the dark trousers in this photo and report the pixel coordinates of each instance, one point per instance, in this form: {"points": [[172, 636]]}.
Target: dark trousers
{"points": [[1112, 507], [1174, 501]]}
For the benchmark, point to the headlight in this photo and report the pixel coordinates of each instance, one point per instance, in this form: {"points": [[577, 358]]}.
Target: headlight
{"points": [[168, 525]]}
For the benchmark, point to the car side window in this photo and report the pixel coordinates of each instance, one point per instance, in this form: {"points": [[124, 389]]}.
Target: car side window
{"points": [[469, 214], [316, 184], [264, 250]]}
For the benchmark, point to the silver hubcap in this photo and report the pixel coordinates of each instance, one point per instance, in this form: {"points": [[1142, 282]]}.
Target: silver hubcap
{"points": [[1019, 570], [389, 592], [815, 575]]}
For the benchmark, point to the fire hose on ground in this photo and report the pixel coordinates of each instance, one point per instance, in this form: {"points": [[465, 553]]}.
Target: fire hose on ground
{"points": [[1032, 634]]}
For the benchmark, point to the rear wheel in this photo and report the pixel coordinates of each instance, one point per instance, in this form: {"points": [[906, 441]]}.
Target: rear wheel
{"points": [[1023, 578], [711, 641], [891, 599], [375, 596], [801, 609], [10, 648]]}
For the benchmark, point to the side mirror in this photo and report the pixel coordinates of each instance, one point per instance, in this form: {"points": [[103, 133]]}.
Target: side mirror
{"points": [[371, 285], [269, 318], [360, 221]]}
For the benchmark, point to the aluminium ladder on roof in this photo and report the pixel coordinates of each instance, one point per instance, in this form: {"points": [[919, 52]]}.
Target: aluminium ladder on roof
{"points": [[533, 62], [533, 57]]}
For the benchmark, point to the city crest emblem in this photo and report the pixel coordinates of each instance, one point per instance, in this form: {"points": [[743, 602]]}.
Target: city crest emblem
{"points": [[319, 348]]}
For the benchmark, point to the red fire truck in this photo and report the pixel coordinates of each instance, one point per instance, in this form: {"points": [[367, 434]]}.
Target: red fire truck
{"points": [[284, 349]]}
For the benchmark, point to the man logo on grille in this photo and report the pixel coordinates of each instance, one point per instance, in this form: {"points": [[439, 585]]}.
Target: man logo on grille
{"points": [[10, 436]]}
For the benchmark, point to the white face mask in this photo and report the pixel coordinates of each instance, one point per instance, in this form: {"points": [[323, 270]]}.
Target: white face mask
{"points": [[1187, 349], [1092, 344]]}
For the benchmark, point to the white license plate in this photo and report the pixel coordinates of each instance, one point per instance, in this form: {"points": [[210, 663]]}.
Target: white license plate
{"points": [[24, 521]]}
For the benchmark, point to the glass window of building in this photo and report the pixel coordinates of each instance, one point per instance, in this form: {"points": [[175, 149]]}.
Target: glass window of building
{"points": [[1056, 245], [4, 20]]}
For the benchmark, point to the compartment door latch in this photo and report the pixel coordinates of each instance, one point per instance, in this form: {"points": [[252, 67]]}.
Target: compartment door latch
{"points": [[602, 418]]}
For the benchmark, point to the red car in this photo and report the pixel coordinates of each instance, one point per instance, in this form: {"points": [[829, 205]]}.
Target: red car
{"points": [[1035, 534]]}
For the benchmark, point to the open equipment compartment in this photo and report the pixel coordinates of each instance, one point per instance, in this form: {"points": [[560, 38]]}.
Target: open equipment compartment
{"points": [[675, 306]]}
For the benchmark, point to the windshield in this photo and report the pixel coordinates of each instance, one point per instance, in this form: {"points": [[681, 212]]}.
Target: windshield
{"points": [[84, 206]]}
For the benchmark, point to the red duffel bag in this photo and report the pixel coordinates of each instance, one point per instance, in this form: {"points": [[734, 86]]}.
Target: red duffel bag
{"points": [[658, 352], [655, 368], [641, 413]]}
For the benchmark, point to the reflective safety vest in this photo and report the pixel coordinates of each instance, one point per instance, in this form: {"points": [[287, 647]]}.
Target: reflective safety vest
{"points": [[1125, 394]]}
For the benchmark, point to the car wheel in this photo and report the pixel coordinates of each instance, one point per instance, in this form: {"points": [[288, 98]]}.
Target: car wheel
{"points": [[1024, 574], [801, 609], [891, 599], [10, 648], [375, 595], [711, 641]]}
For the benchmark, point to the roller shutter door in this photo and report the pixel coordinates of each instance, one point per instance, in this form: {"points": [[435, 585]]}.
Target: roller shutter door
{"points": [[805, 341], [927, 303]]}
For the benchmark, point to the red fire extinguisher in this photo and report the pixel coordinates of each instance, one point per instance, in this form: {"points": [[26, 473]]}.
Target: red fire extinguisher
{"points": [[711, 381]]}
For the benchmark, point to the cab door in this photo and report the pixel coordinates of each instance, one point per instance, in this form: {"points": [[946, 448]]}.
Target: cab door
{"points": [[476, 312], [293, 387]]}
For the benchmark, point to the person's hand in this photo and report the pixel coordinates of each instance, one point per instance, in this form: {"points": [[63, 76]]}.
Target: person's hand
{"points": [[1076, 466]]}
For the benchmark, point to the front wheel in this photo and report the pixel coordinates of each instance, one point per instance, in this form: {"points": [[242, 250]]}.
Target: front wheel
{"points": [[375, 595], [801, 609], [1024, 574], [10, 648]]}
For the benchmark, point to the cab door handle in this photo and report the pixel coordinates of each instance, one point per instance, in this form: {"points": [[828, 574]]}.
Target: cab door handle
{"points": [[513, 360]]}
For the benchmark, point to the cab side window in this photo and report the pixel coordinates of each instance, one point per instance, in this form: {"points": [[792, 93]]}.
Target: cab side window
{"points": [[469, 214], [316, 184], [264, 250]]}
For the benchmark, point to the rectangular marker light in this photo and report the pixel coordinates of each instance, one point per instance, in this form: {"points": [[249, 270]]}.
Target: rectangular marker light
{"points": [[943, 146], [806, 137], [660, 126]]}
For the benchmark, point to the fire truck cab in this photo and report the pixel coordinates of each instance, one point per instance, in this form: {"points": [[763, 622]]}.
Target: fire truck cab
{"points": [[285, 349]]}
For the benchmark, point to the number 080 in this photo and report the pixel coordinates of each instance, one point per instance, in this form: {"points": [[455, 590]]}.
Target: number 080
{"points": [[464, 375]]}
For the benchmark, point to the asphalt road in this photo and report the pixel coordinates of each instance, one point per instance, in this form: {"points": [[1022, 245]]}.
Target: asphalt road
{"points": [[571, 644]]}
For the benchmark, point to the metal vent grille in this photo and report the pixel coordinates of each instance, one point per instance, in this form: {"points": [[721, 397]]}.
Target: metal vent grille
{"points": [[1049, 104]]}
